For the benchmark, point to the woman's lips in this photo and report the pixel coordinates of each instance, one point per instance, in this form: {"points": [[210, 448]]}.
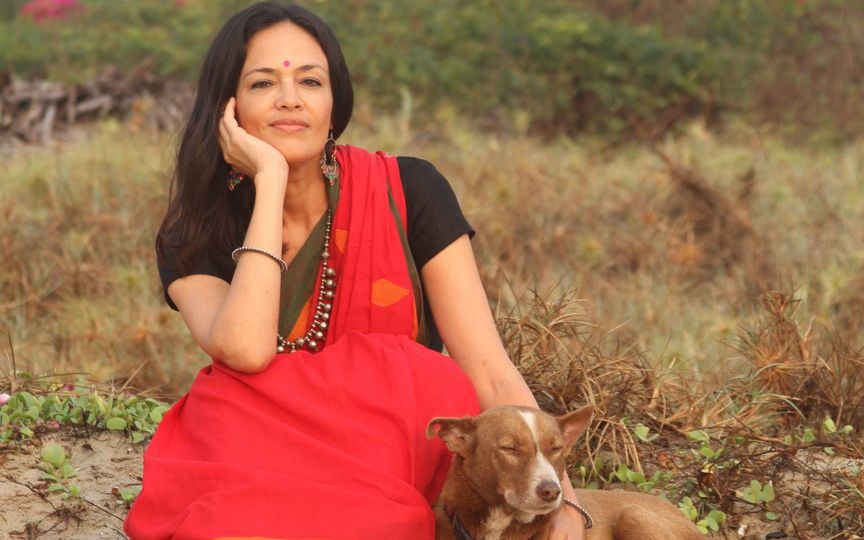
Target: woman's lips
{"points": [[290, 127]]}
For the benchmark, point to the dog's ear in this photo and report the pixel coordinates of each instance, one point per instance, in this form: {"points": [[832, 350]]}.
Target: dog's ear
{"points": [[457, 433], [574, 424]]}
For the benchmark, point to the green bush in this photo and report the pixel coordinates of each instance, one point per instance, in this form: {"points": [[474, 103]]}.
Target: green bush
{"points": [[121, 34], [559, 65], [789, 63], [10, 8], [567, 69]]}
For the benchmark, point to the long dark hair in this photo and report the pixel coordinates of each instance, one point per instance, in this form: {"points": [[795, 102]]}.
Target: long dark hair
{"points": [[203, 217]]}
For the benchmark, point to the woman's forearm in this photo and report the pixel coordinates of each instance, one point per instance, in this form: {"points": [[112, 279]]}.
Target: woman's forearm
{"points": [[504, 386], [243, 331], [509, 388]]}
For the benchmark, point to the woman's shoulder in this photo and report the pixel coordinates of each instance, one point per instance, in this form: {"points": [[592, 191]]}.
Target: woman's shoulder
{"points": [[421, 179], [435, 218], [417, 168], [429, 197]]}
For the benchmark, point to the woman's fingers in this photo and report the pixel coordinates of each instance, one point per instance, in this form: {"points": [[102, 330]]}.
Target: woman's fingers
{"points": [[566, 526], [230, 133], [228, 115], [224, 140], [223, 132], [229, 118], [228, 122], [234, 134], [244, 152]]}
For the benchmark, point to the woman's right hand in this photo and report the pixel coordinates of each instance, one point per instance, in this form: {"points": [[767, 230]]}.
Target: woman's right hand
{"points": [[246, 153]]}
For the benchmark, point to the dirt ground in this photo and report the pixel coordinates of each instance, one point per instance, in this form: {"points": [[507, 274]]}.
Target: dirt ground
{"points": [[106, 462], [103, 461]]}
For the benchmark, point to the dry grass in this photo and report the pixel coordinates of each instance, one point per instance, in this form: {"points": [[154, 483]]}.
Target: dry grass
{"points": [[79, 289], [767, 423], [636, 279]]}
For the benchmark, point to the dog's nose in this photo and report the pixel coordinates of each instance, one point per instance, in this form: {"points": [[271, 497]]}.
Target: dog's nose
{"points": [[548, 491]]}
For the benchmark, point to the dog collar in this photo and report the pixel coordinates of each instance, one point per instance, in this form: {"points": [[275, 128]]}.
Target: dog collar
{"points": [[459, 530]]}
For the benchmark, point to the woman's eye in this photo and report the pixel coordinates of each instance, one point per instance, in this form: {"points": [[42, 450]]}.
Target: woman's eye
{"points": [[261, 84], [311, 82]]}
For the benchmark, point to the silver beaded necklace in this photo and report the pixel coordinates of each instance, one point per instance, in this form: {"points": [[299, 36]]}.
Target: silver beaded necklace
{"points": [[315, 336]]}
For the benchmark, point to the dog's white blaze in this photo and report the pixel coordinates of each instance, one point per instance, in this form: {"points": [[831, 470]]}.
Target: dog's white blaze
{"points": [[543, 469], [531, 420], [494, 525]]}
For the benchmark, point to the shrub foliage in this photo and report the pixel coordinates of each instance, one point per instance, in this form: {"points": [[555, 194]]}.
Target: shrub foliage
{"points": [[562, 66]]}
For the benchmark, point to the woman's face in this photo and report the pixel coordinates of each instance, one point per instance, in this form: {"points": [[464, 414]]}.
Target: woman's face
{"points": [[284, 95]]}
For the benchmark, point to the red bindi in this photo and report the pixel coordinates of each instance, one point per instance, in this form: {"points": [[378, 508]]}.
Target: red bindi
{"points": [[286, 63]]}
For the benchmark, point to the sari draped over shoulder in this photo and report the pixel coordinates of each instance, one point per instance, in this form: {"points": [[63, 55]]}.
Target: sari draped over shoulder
{"points": [[327, 445]]}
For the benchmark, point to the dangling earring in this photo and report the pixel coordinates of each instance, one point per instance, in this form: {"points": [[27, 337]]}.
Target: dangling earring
{"points": [[235, 178], [329, 166]]}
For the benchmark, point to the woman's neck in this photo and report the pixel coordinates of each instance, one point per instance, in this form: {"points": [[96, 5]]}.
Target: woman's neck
{"points": [[305, 195]]}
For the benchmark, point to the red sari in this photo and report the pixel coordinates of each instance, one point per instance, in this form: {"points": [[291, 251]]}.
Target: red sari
{"points": [[328, 445]]}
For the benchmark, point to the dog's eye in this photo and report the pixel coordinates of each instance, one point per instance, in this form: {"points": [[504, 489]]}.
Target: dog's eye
{"points": [[512, 450], [556, 449]]}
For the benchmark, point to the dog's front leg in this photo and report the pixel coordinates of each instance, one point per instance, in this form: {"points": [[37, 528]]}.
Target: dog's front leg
{"points": [[443, 526]]}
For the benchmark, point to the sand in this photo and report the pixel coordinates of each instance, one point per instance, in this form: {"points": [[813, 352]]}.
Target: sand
{"points": [[104, 462]]}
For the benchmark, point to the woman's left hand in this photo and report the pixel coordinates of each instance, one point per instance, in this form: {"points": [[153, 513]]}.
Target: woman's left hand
{"points": [[567, 524]]}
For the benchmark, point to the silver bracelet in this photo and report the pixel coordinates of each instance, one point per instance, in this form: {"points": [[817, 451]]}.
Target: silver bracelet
{"points": [[236, 253], [588, 521]]}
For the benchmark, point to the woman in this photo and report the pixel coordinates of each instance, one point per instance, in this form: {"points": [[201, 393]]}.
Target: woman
{"points": [[309, 423]]}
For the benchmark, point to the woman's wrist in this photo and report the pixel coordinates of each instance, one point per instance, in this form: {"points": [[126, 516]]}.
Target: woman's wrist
{"points": [[567, 488], [572, 504], [571, 501], [276, 177]]}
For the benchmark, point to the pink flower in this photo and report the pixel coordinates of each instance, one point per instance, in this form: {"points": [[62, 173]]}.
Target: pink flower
{"points": [[4, 398], [43, 10]]}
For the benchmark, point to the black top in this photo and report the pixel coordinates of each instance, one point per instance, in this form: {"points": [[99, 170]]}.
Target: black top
{"points": [[435, 221]]}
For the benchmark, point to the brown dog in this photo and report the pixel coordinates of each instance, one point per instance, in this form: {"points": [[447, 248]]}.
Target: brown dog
{"points": [[505, 482]]}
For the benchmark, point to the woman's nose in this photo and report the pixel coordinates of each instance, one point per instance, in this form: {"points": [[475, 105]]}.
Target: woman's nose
{"points": [[288, 97]]}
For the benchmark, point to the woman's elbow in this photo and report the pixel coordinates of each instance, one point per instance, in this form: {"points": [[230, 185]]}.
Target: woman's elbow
{"points": [[246, 358], [248, 363]]}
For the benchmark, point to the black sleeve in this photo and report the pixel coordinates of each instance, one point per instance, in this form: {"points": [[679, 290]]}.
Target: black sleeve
{"points": [[435, 219], [168, 271]]}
